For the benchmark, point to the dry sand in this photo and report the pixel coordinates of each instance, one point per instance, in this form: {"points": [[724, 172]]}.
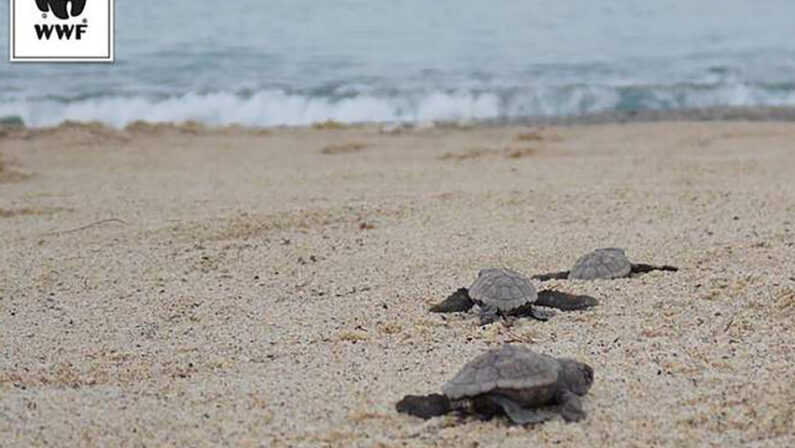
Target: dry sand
{"points": [[176, 286]]}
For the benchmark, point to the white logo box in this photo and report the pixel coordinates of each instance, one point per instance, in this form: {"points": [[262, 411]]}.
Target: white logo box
{"points": [[39, 36]]}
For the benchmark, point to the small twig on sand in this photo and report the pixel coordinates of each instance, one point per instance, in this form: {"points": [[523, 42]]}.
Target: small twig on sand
{"points": [[86, 227], [516, 338], [730, 323]]}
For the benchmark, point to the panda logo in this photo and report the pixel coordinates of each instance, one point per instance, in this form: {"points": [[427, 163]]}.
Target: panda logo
{"points": [[58, 7]]}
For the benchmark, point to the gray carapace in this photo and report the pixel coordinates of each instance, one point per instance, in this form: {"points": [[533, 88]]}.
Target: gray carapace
{"points": [[513, 380], [606, 263], [500, 292]]}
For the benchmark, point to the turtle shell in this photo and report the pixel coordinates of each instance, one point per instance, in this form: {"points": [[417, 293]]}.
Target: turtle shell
{"points": [[602, 263], [503, 289], [512, 370]]}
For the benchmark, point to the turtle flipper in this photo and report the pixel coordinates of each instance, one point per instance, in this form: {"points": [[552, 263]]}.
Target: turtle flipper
{"points": [[520, 415], [563, 275], [458, 301], [528, 310], [642, 268], [571, 406], [541, 315], [424, 406], [565, 301]]}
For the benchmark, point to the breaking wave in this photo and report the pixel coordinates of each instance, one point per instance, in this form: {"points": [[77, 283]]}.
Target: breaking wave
{"points": [[277, 107]]}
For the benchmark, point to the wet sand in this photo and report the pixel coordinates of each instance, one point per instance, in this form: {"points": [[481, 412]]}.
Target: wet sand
{"points": [[179, 286]]}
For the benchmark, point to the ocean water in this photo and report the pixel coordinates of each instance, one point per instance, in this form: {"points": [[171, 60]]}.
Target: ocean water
{"points": [[295, 62]]}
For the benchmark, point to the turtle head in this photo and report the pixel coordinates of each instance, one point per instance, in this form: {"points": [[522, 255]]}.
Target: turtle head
{"points": [[577, 376]]}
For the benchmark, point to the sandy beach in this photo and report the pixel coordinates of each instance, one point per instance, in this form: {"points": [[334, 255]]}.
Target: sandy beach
{"points": [[178, 286]]}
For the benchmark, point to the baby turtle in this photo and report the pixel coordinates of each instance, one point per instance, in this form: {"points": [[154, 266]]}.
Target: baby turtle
{"points": [[513, 380], [607, 263], [503, 292]]}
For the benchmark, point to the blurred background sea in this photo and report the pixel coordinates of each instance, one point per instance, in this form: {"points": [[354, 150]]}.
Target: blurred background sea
{"points": [[295, 62]]}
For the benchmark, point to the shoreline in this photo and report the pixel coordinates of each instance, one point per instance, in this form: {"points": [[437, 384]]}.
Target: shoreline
{"points": [[725, 113]]}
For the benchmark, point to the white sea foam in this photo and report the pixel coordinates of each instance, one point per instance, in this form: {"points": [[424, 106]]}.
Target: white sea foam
{"points": [[276, 108]]}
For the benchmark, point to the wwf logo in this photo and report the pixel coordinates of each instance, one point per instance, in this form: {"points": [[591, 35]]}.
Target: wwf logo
{"points": [[60, 31], [58, 7], [63, 31]]}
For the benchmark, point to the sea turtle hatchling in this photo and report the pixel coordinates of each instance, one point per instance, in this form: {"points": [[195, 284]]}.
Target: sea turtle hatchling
{"points": [[502, 292], [607, 263], [513, 380]]}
